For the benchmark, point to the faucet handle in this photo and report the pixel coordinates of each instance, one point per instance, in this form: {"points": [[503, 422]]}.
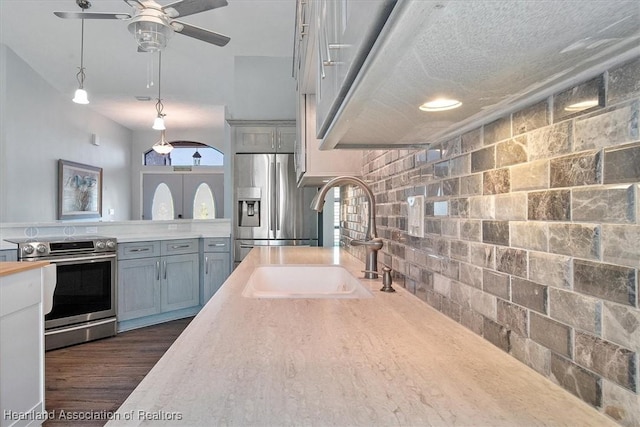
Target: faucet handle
{"points": [[374, 244]]}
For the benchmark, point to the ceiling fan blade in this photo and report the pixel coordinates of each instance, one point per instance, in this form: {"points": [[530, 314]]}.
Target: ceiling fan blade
{"points": [[91, 15], [200, 33], [190, 7]]}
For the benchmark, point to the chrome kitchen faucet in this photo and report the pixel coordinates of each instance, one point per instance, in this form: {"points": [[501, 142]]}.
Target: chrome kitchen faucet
{"points": [[372, 242]]}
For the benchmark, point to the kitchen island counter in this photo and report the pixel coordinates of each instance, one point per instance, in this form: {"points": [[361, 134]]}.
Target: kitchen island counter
{"points": [[386, 360]]}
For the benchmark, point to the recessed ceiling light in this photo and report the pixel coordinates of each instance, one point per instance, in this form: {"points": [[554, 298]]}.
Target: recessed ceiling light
{"points": [[579, 106], [441, 104]]}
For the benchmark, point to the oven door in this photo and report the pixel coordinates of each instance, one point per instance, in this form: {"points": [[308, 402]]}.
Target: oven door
{"points": [[85, 290]]}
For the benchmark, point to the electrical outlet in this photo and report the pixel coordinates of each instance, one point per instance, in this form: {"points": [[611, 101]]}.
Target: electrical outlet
{"points": [[416, 216], [112, 211]]}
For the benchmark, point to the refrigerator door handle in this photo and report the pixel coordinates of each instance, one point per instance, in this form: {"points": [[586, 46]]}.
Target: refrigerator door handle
{"points": [[278, 190], [272, 213]]}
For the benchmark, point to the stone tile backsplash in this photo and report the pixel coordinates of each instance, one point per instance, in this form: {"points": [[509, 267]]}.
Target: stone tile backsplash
{"points": [[532, 234]]}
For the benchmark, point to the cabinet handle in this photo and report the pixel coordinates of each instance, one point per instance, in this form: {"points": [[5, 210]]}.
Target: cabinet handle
{"points": [[157, 270], [273, 140], [139, 250], [165, 269], [206, 265], [179, 246], [216, 245]]}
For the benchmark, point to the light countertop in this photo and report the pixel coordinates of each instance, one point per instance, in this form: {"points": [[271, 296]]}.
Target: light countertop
{"points": [[387, 360], [12, 267]]}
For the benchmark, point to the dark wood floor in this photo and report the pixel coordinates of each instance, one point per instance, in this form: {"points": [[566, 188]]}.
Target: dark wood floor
{"points": [[96, 377]]}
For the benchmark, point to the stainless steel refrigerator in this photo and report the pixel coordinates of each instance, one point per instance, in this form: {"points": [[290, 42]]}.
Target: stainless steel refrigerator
{"points": [[269, 209]]}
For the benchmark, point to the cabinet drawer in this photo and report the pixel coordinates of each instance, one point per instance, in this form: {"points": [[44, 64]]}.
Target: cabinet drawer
{"points": [[176, 247], [217, 244], [138, 250]]}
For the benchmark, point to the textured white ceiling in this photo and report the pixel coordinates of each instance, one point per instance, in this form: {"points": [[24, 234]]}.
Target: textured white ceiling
{"points": [[197, 77]]}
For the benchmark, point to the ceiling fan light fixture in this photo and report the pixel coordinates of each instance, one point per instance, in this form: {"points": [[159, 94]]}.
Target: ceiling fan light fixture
{"points": [[80, 97], [162, 146], [151, 33]]}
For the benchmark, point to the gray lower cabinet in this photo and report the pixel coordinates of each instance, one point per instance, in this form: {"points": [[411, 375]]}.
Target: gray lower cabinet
{"points": [[216, 265], [8, 255], [157, 281]]}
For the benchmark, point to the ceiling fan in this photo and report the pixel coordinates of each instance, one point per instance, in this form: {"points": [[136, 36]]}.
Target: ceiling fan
{"points": [[152, 24]]}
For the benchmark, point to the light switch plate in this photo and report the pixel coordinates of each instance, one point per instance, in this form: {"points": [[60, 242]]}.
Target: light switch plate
{"points": [[416, 216]]}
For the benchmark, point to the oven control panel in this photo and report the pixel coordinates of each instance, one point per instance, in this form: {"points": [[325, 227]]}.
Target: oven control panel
{"points": [[66, 246]]}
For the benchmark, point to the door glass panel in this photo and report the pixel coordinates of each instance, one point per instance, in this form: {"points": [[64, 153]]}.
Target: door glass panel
{"points": [[162, 207], [204, 205]]}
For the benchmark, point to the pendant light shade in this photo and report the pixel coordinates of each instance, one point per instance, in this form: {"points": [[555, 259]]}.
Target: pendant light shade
{"points": [[80, 96], [158, 124], [162, 146]]}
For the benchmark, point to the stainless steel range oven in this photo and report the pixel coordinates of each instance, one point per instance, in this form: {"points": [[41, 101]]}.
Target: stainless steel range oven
{"points": [[84, 300]]}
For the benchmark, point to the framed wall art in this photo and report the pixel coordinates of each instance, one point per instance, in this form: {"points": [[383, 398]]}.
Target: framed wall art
{"points": [[79, 190]]}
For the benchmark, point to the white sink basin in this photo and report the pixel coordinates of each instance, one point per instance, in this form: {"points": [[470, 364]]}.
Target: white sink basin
{"points": [[304, 281]]}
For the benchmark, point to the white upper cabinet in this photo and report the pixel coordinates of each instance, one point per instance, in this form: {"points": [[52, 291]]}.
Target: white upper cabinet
{"points": [[492, 56], [345, 31]]}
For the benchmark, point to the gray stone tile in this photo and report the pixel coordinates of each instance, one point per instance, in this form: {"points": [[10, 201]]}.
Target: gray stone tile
{"points": [[622, 164], [459, 207], [530, 176], [460, 250], [621, 324], [471, 141], [511, 152], [604, 204], [471, 320], [451, 187], [484, 159], [495, 232], [578, 240], [512, 261], [451, 148], [529, 294], [551, 205], [607, 281], [550, 270], [624, 83], [451, 309], [441, 169], [471, 230], [471, 275], [434, 299], [512, 206], [611, 127], [607, 359], [576, 310], [460, 165], [621, 244], [530, 118], [434, 189], [576, 170], [620, 404], [496, 334], [529, 235], [496, 181], [442, 285], [450, 227], [497, 130], [551, 334], [496, 284], [578, 381], [471, 185], [513, 317], [482, 255], [531, 354], [550, 141], [482, 207], [592, 90]]}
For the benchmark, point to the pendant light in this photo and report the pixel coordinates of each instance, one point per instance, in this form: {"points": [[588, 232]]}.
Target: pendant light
{"points": [[162, 146], [158, 123], [81, 94]]}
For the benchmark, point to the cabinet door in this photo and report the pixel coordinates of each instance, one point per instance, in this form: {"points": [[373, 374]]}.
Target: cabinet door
{"points": [[180, 283], [327, 76], [216, 271], [138, 288], [286, 139], [255, 139], [8, 255]]}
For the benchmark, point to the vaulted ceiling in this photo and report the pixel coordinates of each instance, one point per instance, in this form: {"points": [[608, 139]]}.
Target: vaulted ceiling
{"points": [[198, 79]]}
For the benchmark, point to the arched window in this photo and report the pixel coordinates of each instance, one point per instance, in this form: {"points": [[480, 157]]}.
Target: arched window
{"points": [[204, 205], [162, 206], [183, 155]]}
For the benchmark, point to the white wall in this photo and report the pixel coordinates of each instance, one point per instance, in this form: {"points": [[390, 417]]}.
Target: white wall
{"points": [[41, 125], [264, 89]]}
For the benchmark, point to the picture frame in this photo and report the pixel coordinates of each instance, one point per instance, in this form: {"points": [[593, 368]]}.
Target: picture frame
{"points": [[79, 190]]}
